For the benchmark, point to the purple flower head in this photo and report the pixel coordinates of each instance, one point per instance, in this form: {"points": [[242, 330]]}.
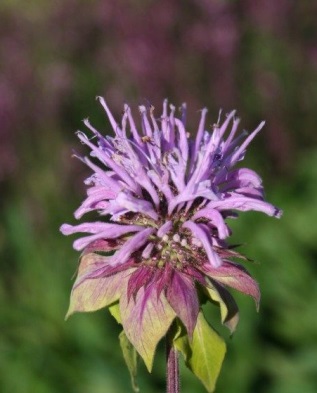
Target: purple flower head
{"points": [[163, 196]]}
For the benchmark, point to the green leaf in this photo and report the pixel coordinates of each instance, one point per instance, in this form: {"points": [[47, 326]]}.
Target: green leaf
{"points": [[178, 329], [146, 320], [181, 340], [91, 294], [131, 358], [114, 310], [228, 307], [205, 354]]}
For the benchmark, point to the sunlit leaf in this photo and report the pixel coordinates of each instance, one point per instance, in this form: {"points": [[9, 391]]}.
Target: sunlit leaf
{"points": [[114, 310], [228, 307], [205, 354], [181, 341], [131, 358]]}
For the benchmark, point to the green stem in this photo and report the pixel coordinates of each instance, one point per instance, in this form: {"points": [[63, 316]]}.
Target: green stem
{"points": [[172, 369]]}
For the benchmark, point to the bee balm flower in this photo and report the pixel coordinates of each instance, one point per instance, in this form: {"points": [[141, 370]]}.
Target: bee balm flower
{"points": [[162, 197]]}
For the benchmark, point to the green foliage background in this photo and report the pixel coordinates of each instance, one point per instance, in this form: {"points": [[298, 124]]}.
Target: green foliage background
{"points": [[54, 58]]}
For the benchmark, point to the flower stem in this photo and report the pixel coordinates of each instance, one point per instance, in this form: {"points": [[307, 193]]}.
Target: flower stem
{"points": [[172, 370]]}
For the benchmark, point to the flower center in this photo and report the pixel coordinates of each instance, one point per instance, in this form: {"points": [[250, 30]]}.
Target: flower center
{"points": [[177, 248]]}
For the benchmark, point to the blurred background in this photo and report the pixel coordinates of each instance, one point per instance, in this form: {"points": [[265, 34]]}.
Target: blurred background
{"points": [[259, 57]]}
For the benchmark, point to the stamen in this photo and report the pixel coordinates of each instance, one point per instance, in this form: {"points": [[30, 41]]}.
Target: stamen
{"points": [[184, 242], [176, 238], [165, 238]]}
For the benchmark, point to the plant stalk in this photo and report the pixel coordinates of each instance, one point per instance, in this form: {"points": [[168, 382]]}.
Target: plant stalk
{"points": [[172, 368]]}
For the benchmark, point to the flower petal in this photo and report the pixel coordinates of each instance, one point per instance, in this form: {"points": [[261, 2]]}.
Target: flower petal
{"points": [[239, 153], [245, 204], [130, 246], [133, 204], [241, 177], [100, 230], [199, 137], [200, 234], [97, 198], [216, 219], [164, 229], [113, 230]]}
